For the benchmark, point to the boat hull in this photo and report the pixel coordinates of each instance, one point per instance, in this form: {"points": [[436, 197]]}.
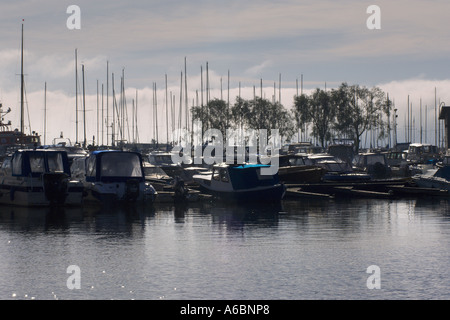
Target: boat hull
{"points": [[304, 174], [261, 194], [35, 196], [119, 192]]}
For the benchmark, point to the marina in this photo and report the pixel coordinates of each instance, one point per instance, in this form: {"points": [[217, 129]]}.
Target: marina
{"points": [[215, 185]]}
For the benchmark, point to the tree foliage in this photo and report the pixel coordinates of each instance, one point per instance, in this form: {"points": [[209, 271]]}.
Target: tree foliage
{"points": [[348, 111], [318, 109], [360, 109], [245, 114]]}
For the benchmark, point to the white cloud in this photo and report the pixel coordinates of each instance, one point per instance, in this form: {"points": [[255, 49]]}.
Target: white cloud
{"points": [[257, 69]]}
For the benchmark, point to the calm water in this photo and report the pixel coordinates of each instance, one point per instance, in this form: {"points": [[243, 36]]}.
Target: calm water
{"points": [[298, 250]]}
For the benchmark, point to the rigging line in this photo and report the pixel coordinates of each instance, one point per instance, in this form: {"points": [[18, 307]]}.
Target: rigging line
{"points": [[28, 110]]}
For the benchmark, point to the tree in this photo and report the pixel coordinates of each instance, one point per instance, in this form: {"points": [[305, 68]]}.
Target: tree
{"points": [[319, 109], [215, 115], [262, 114], [359, 109], [301, 117]]}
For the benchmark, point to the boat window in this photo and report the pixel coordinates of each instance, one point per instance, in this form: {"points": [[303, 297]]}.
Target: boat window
{"points": [[6, 164], [335, 167], [224, 175], [17, 164], [55, 162], [216, 174], [37, 164], [91, 167], [356, 160], [121, 165], [374, 159]]}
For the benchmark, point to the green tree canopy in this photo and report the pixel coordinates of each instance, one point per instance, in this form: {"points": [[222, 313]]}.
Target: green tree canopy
{"points": [[360, 109], [318, 109]]}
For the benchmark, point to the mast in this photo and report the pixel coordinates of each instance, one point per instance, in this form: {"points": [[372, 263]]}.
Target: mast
{"points": [[84, 110], [167, 116], [228, 99], [21, 87], [107, 102], [45, 111], [76, 97], [186, 94], [98, 127], [156, 116], [102, 117]]}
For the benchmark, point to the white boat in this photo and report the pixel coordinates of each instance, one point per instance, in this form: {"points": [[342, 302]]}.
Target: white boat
{"points": [[243, 182], [436, 178], [38, 178], [113, 175], [421, 153], [73, 151]]}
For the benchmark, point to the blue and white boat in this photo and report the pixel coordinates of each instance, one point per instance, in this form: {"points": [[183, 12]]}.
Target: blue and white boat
{"points": [[243, 182], [38, 178], [113, 175]]}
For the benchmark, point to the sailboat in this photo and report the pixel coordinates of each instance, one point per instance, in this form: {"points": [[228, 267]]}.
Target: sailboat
{"points": [[11, 140]]}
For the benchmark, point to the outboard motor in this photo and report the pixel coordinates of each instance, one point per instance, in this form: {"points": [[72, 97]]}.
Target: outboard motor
{"points": [[55, 187]]}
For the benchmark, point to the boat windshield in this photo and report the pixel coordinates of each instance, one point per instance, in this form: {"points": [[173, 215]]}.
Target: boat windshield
{"points": [[37, 163], [374, 159], [121, 165], [55, 162]]}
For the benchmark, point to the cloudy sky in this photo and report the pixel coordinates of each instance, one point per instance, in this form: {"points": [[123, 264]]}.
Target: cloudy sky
{"points": [[323, 42]]}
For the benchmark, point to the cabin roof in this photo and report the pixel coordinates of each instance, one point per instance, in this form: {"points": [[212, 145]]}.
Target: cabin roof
{"points": [[240, 166], [445, 110]]}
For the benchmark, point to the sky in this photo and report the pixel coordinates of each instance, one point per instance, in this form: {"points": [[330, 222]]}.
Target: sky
{"points": [[305, 44]]}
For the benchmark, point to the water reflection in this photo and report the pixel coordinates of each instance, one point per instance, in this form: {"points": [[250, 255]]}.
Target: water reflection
{"points": [[294, 249], [39, 219], [343, 214]]}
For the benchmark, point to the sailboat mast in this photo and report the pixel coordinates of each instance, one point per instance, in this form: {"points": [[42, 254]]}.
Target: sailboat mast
{"points": [[167, 116], [76, 97], [45, 112], [84, 109], [21, 87]]}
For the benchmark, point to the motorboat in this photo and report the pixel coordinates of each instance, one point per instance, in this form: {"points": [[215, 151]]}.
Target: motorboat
{"points": [[38, 178], [436, 178], [293, 168], [113, 175], [398, 163], [73, 151], [243, 182], [374, 164], [422, 153], [336, 170]]}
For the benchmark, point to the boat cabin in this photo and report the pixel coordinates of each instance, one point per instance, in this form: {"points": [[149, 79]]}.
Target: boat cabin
{"points": [[422, 153], [160, 158], [374, 164], [114, 166], [238, 177], [34, 163]]}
